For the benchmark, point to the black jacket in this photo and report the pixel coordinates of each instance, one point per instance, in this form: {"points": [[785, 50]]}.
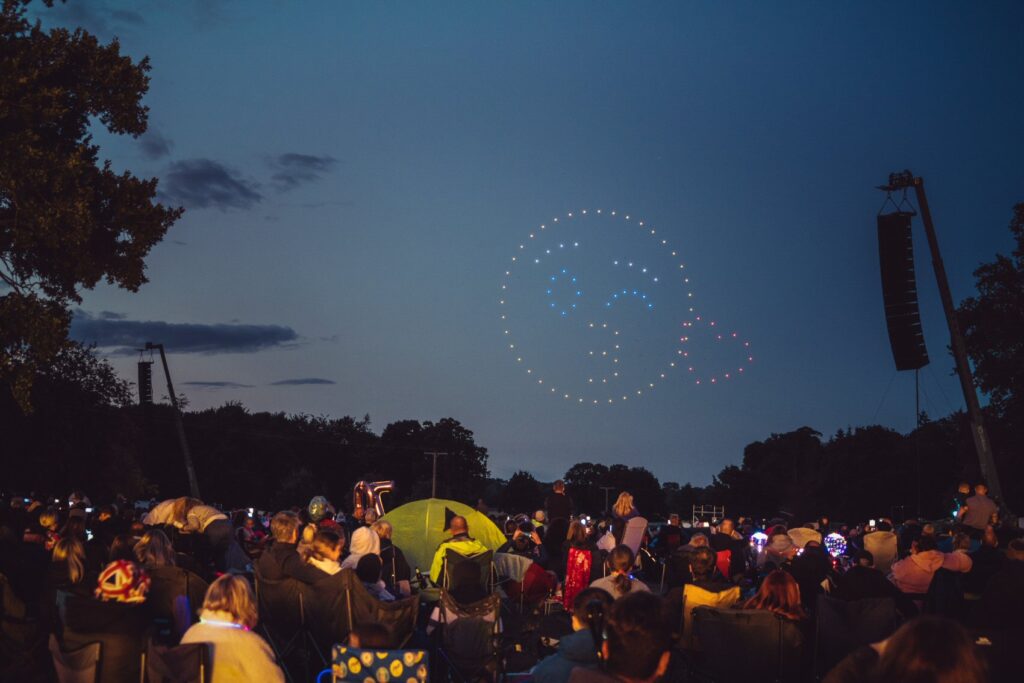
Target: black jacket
{"points": [[281, 561]]}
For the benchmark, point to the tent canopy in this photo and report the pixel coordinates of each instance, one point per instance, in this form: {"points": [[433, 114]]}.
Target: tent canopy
{"points": [[422, 525]]}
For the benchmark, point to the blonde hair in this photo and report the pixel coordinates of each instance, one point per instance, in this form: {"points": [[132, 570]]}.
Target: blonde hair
{"points": [[624, 505], [382, 527], [71, 551], [181, 508], [155, 549], [232, 594], [48, 519]]}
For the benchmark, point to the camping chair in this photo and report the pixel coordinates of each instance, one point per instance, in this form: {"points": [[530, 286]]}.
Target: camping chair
{"points": [[121, 628], [511, 569], [633, 535], [23, 634], [694, 597], [770, 645], [80, 665], [358, 665], [488, 574], [282, 621], [181, 664], [470, 637], [945, 595], [174, 598], [841, 627], [398, 617]]}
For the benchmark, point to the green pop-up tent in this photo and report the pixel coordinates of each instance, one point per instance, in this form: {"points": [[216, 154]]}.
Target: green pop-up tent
{"points": [[420, 526]]}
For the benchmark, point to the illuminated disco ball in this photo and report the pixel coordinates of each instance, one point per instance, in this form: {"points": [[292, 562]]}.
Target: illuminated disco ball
{"points": [[835, 544], [597, 308]]}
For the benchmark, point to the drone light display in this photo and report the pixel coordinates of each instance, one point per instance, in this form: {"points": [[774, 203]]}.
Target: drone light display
{"points": [[597, 308]]}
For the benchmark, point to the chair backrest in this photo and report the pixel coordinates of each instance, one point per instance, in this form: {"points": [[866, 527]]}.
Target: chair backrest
{"points": [[355, 664], [633, 536], [281, 603], [181, 664], [946, 595], [398, 617], [484, 560], [844, 626], [883, 546], [770, 645], [80, 665], [694, 597], [121, 628], [469, 632], [175, 596]]}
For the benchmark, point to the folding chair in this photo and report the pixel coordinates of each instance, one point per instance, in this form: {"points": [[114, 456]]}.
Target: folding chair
{"points": [[488, 574], [470, 637], [358, 665], [282, 610], [80, 665], [121, 628], [180, 664], [771, 646], [633, 535], [398, 617], [841, 627]]}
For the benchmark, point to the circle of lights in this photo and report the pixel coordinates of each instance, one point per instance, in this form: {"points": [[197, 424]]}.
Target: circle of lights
{"points": [[680, 361]]}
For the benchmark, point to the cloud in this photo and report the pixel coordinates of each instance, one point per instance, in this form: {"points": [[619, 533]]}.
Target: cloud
{"points": [[204, 183], [110, 315], [217, 385], [301, 381], [95, 16], [154, 144], [292, 170], [125, 337]]}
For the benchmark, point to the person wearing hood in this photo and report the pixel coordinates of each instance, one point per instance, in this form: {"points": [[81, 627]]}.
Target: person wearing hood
{"points": [[579, 648], [365, 541], [914, 574]]}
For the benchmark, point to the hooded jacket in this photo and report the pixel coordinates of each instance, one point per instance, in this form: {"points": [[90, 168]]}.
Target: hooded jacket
{"points": [[914, 574], [957, 561], [576, 649]]}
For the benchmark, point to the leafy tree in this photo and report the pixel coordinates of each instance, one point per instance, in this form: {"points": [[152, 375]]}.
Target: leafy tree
{"points": [[993, 324], [523, 493], [583, 481], [67, 221]]}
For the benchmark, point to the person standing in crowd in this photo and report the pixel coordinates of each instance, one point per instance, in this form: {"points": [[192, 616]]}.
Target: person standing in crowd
{"points": [[558, 510], [638, 645], [226, 622], [620, 581], [977, 512], [729, 548], [460, 542], [624, 509], [281, 560], [963, 492]]}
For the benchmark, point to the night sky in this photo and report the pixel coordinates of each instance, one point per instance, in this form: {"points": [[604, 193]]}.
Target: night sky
{"points": [[359, 176]]}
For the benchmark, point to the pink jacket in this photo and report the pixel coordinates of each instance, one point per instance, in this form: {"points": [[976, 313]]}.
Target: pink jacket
{"points": [[957, 561], [914, 574]]}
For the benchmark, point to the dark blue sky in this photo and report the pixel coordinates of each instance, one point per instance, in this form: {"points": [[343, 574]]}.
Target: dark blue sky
{"points": [[359, 175]]}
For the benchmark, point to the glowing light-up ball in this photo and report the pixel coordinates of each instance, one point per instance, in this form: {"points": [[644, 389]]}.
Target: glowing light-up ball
{"points": [[597, 307], [759, 539], [835, 544]]}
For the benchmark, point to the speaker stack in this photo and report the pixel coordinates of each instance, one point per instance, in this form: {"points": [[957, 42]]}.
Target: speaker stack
{"points": [[899, 291]]}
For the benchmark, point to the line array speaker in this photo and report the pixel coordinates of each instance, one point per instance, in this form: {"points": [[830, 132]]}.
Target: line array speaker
{"points": [[899, 291]]}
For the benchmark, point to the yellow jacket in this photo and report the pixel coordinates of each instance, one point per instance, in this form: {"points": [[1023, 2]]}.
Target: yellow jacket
{"points": [[463, 545]]}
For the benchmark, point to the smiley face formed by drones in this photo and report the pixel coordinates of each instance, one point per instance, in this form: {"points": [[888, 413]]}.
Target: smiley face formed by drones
{"points": [[597, 308]]}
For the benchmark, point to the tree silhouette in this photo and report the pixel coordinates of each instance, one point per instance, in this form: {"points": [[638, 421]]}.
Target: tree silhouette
{"points": [[67, 221]]}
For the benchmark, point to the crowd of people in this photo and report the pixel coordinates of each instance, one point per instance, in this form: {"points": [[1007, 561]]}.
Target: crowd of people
{"points": [[617, 598]]}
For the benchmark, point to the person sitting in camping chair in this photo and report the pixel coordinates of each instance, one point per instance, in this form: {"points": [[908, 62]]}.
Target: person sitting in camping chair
{"points": [[460, 542]]}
